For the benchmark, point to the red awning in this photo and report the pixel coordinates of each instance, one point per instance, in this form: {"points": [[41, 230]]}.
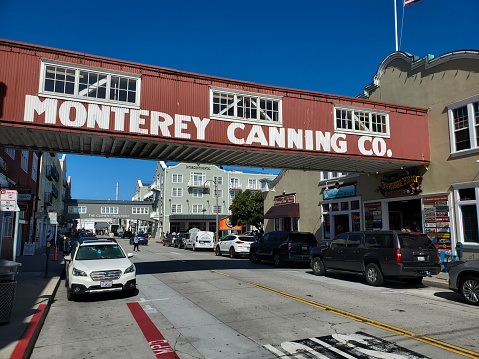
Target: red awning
{"points": [[283, 211]]}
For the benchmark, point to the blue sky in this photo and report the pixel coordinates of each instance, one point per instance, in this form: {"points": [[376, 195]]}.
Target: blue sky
{"points": [[326, 46]]}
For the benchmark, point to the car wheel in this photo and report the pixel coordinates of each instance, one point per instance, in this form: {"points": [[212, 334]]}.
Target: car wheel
{"points": [[232, 253], [70, 295], [374, 275], [217, 251], [277, 260], [253, 257], [470, 290], [318, 267]]}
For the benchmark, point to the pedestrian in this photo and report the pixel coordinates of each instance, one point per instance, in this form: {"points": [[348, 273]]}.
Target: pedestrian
{"points": [[136, 244]]}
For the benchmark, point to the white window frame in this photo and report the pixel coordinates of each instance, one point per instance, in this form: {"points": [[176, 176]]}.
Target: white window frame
{"points": [[78, 97], [34, 166], [218, 180], [219, 193], [457, 209], [197, 208], [252, 183], [354, 121], [139, 210], [176, 208], [233, 193], [197, 178], [235, 183], [109, 210], [177, 178], [218, 208], [24, 161], [197, 192], [472, 123], [176, 192], [257, 97]]}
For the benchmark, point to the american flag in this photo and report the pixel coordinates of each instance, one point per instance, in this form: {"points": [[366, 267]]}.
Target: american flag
{"points": [[409, 2]]}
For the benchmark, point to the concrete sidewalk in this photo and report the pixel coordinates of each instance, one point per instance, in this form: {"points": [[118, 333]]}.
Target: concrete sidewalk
{"points": [[35, 291]]}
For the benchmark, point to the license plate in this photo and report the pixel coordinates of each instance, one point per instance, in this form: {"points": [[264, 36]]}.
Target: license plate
{"points": [[421, 259], [106, 284], [305, 248]]}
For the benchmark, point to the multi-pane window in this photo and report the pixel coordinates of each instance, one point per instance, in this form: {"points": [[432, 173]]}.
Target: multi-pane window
{"points": [[109, 210], [219, 193], [24, 161], [177, 178], [197, 208], [197, 192], [217, 209], [176, 208], [197, 178], [76, 209], [324, 176], [464, 125], [218, 180], [252, 183], [83, 82], [360, 120], [233, 193], [239, 105], [34, 166], [177, 192], [139, 210], [235, 183]]}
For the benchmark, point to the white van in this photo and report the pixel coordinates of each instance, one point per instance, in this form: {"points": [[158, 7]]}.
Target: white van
{"points": [[200, 240]]}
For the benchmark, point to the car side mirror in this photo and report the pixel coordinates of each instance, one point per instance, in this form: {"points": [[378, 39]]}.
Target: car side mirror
{"points": [[67, 258], [129, 255]]}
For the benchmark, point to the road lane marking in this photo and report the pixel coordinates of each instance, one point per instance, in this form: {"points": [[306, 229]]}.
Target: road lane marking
{"points": [[215, 271], [374, 323]]}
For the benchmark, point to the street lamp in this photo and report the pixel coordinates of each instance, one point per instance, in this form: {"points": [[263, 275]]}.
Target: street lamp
{"points": [[215, 181]]}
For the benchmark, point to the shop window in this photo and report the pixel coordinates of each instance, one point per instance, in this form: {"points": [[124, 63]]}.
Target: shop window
{"points": [[295, 224], [361, 120], [245, 106], [326, 226], [276, 224], [469, 223], [325, 207], [464, 126], [60, 79], [334, 207], [354, 205], [344, 206]]}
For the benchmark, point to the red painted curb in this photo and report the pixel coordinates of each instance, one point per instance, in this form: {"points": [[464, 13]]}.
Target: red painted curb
{"points": [[155, 339], [25, 345]]}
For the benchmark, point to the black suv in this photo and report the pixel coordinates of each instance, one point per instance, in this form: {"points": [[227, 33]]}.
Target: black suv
{"points": [[379, 254], [283, 246]]}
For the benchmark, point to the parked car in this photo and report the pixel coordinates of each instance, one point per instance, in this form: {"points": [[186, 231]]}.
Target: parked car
{"points": [[168, 240], [283, 246], [142, 239], [98, 266], [179, 240], [200, 240], [379, 254], [234, 245], [464, 279]]}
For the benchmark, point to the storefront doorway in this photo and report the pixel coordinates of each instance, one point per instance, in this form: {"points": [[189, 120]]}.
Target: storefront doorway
{"points": [[341, 224], [405, 214]]}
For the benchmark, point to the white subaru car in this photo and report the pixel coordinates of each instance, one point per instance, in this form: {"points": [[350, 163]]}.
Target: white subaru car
{"points": [[98, 266], [234, 245]]}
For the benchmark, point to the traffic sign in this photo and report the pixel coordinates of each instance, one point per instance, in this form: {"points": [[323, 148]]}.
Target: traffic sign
{"points": [[8, 195]]}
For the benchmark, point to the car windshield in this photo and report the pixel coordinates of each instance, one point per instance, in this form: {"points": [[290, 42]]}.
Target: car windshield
{"points": [[106, 251], [302, 238], [415, 241], [247, 238]]}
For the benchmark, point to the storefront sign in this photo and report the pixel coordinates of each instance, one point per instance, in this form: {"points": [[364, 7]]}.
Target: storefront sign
{"points": [[225, 225], [400, 185], [341, 192], [287, 199], [24, 197]]}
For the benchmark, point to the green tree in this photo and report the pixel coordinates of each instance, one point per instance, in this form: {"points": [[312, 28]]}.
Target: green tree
{"points": [[247, 208]]}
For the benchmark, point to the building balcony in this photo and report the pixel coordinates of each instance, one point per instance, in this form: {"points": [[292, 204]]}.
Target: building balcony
{"points": [[236, 185], [198, 184], [155, 186]]}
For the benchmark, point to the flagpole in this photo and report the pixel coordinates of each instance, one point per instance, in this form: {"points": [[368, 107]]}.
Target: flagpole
{"points": [[396, 24]]}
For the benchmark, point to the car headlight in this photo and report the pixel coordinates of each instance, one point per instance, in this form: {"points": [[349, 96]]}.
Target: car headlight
{"points": [[79, 273], [130, 269]]}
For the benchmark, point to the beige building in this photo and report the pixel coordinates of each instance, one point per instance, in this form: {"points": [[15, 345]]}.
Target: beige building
{"points": [[441, 198]]}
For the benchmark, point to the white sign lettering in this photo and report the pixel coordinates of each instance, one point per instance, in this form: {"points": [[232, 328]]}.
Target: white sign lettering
{"points": [[76, 114]]}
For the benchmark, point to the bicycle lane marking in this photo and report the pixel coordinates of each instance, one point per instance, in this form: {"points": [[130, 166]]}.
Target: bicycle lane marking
{"points": [[374, 323], [155, 339]]}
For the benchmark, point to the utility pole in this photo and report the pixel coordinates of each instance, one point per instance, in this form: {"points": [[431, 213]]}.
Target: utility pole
{"points": [[215, 181]]}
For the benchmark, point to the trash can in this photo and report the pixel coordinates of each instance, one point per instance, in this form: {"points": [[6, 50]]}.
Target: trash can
{"points": [[8, 285]]}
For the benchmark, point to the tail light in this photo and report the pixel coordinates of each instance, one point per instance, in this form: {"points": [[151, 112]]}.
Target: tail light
{"points": [[239, 242], [397, 255], [289, 246]]}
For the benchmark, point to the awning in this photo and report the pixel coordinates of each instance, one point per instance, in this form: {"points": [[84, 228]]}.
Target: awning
{"points": [[283, 211], [101, 225]]}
